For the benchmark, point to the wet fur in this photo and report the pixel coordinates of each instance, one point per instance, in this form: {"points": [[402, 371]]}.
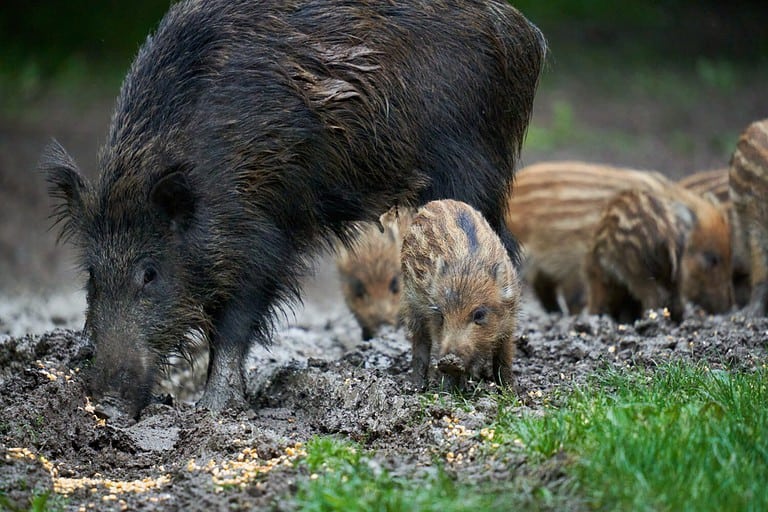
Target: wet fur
{"points": [[248, 135], [453, 266]]}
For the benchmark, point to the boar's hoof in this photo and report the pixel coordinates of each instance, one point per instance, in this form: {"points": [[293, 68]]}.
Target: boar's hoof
{"points": [[217, 399]]}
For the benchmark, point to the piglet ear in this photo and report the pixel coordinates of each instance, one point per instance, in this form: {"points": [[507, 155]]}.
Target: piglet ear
{"points": [[504, 275], [174, 198], [66, 186]]}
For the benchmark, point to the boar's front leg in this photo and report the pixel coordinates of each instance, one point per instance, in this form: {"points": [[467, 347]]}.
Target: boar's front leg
{"points": [[243, 319], [229, 344]]}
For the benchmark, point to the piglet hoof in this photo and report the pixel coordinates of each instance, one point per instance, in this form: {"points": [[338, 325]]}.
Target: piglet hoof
{"points": [[419, 382]]}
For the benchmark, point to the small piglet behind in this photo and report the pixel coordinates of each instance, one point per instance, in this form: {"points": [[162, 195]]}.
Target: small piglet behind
{"points": [[715, 184], [369, 271], [654, 250], [461, 295], [748, 178]]}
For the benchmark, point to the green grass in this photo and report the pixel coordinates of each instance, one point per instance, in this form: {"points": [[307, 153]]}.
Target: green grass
{"points": [[45, 501], [563, 129], [343, 477], [680, 438]]}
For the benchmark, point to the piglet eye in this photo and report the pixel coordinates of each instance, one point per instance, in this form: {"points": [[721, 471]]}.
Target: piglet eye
{"points": [[712, 259], [358, 289], [394, 285], [480, 315]]}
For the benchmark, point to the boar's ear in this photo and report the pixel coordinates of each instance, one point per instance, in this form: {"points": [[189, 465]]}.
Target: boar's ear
{"points": [[172, 195], [66, 186]]}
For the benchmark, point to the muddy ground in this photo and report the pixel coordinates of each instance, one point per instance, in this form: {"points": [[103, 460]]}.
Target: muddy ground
{"points": [[317, 381], [318, 378]]}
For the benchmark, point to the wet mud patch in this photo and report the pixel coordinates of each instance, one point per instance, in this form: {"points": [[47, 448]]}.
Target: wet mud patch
{"points": [[315, 381]]}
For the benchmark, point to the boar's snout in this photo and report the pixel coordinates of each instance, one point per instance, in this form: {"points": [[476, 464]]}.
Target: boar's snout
{"points": [[121, 386]]}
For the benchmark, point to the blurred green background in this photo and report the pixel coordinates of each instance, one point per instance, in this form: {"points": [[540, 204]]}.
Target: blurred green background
{"points": [[77, 41], [653, 85]]}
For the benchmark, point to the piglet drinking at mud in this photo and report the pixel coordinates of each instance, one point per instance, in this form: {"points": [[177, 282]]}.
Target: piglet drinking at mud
{"points": [[461, 296], [248, 135]]}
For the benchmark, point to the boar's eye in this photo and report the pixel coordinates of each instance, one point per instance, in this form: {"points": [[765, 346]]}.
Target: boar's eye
{"points": [[358, 289], [145, 275], [394, 285], [480, 315], [711, 259], [150, 273]]}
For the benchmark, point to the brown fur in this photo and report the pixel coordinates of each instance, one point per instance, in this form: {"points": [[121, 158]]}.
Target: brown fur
{"points": [[748, 177], [715, 184], [461, 295], [553, 210], [248, 136], [370, 273], [652, 250]]}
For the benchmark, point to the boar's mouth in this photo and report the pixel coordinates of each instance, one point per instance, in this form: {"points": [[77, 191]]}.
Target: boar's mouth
{"points": [[120, 394]]}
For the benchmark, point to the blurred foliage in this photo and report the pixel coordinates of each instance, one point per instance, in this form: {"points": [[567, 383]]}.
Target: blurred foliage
{"points": [[672, 30], [75, 41], [52, 34]]}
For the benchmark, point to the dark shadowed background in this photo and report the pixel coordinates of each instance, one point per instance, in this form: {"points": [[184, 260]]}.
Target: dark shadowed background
{"points": [[631, 83]]}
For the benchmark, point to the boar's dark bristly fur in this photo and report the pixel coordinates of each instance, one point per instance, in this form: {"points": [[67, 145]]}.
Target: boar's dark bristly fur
{"points": [[247, 135]]}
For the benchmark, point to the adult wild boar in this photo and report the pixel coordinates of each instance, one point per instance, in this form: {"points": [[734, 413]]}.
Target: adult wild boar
{"points": [[248, 134]]}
